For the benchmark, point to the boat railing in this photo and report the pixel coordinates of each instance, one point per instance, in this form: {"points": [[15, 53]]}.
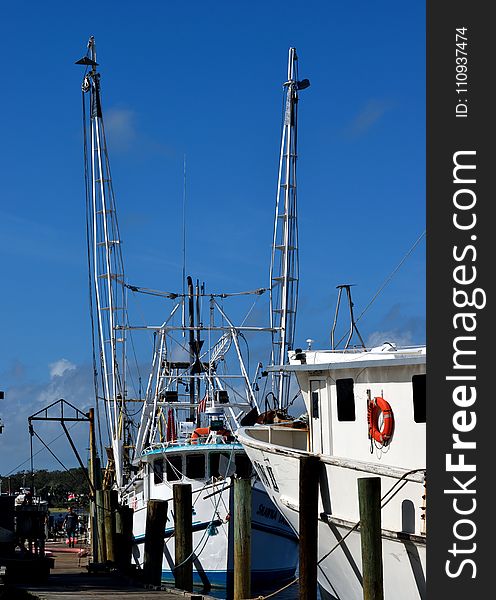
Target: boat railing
{"points": [[201, 440], [361, 350]]}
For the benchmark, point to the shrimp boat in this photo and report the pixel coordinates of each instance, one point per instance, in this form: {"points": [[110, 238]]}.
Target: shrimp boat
{"points": [[199, 391], [365, 417], [345, 394], [187, 435]]}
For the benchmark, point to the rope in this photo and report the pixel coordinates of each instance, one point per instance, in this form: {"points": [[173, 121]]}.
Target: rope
{"points": [[276, 592], [401, 481], [193, 553]]}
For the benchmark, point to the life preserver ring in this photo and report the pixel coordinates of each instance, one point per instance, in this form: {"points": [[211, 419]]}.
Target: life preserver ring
{"points": [[382, 434], [199, 432]]}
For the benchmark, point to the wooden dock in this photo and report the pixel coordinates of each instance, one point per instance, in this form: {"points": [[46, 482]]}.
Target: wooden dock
{"points": [[71, 579]]}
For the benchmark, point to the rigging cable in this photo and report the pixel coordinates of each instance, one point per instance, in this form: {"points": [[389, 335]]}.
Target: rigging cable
{"points": [[173, 295], [392, 274], [90, 280], [54, 456], [387, 280], [205, 533], [401, 481], [39, 451]]}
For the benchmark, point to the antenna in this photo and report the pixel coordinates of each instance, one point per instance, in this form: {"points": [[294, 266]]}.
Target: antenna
{"points": [[284, 260], [184, 246], [353, 325]]}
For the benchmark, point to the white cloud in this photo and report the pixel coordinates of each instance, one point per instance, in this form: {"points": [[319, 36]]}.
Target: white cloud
{"points": [[370, 114], [400, 338], [59, 367], [120, 129], [69, 381]]}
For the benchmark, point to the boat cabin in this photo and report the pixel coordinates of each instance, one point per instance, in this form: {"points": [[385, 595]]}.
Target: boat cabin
{"points": [[188, 463], [337, 389]]}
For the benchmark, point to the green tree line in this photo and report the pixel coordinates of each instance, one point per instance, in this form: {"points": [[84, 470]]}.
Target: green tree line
{"points": [[53, 486]]}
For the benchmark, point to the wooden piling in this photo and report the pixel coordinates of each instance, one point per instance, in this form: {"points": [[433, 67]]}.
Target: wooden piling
{"points": [[369, 496], [94, 465], [124, 537], [242, 538], [109, 507], [100, 518], [156, 517], [183, 533], [308, 526]]}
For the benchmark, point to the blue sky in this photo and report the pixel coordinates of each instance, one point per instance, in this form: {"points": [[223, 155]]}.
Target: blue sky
{"points": [[204, 79]]}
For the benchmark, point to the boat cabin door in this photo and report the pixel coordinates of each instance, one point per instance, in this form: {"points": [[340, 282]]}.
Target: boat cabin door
{"points": [[319, 416]]}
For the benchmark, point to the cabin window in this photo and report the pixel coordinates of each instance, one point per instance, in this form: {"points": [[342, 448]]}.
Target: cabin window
{"points": [[345, 400], [314, 397], [419, 401], [221, 464], [195, 466], [158, 471], [174, 467]]}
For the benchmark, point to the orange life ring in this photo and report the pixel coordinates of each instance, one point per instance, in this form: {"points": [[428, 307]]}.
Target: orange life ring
{"points": [[384, 434], [199, 432]]}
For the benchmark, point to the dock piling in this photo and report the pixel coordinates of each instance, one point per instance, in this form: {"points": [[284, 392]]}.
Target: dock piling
{"points": [[242, 532], [100, 518], [156, 517], [183, 532], [124, 536], [92, 469], [308, 526], [109, 506], [369, 496]]}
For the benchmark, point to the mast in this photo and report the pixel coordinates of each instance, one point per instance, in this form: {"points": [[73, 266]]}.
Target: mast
{"points": [[192, 345], [284, 272], [106, 265]]}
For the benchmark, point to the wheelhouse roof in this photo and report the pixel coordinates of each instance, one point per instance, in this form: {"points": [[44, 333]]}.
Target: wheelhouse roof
{"points": [[330, 360]]}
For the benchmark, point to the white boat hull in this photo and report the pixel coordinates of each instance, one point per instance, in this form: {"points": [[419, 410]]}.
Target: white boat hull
{"points": [[340, 570], [274, 545]]}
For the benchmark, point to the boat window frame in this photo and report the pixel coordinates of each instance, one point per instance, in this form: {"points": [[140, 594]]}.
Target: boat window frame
{"points": [[169, 463], [343, 403], [158, 473], [193, 456], [315, 398], [419, 397], [226, 454]]}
